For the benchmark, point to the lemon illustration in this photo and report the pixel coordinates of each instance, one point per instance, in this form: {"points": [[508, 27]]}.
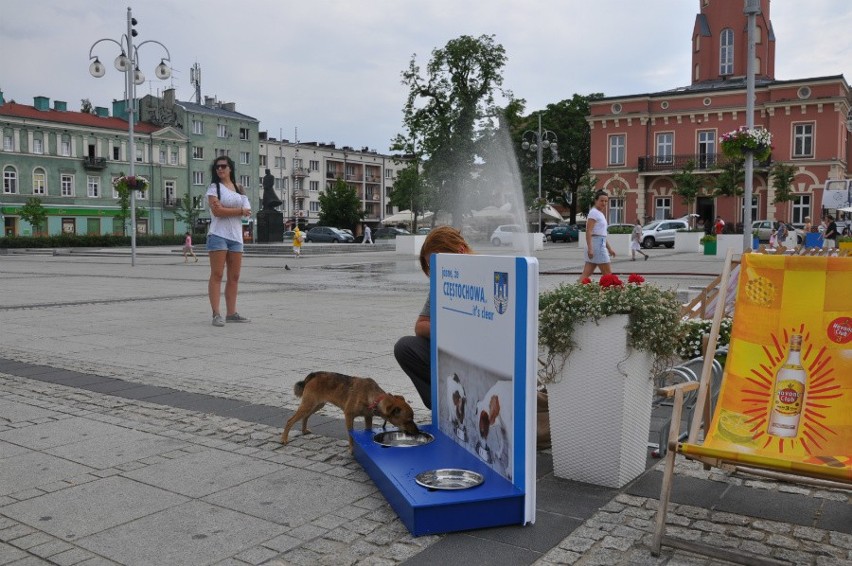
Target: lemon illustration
{"points": [[733, 427]]}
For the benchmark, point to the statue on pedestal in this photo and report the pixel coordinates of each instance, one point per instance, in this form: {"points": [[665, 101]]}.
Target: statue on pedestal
{"points": [[270, 199]]}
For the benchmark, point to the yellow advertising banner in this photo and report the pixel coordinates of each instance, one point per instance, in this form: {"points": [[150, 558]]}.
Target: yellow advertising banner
{"points": [[786, 397]]}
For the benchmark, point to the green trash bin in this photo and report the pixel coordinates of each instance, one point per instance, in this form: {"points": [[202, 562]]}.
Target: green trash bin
{"points": [[710, 248]]}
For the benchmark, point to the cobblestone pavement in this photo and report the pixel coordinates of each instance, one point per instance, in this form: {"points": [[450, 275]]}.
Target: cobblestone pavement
{"points": [[91, 478]]}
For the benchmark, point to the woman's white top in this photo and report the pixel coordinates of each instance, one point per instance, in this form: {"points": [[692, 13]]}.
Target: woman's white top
{"points": [[599, 229], [228, 227]]}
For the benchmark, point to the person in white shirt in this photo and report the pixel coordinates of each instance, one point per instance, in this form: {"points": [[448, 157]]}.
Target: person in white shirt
{"points": [[228, 206], [368, 235], [598, 250]]}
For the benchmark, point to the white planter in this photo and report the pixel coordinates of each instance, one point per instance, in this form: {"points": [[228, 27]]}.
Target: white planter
{"points": [[725, 241], [600, 409], [689, 241], [523, 242], [409, 245]]}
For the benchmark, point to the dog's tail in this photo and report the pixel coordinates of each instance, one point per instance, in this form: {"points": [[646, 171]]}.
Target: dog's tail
{"points": [[299, 388]]}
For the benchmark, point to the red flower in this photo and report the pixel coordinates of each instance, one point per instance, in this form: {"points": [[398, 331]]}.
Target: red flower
{"points": [[610, 280], [636, 278], [586, 281]]}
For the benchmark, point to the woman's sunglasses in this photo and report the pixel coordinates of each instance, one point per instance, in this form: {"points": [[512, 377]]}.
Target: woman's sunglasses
{"points": [[222, 166]]}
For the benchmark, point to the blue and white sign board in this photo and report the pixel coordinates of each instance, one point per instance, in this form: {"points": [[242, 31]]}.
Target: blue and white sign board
{"points": [[484, 350]]}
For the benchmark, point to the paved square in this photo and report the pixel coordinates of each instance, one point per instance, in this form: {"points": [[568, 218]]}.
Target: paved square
{"points": [[120, 446], [32, 469]]}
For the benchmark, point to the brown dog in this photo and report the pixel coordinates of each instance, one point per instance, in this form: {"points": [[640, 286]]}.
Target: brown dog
{"points": [[357, 396]]}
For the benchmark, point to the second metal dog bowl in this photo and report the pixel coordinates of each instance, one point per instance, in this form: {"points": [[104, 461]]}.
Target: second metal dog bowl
{"points": [[400, 439], [449, 478]]}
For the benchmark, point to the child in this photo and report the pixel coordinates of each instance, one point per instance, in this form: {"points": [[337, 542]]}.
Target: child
{"points": [[636, 242], [187, 249], [298, 238]]}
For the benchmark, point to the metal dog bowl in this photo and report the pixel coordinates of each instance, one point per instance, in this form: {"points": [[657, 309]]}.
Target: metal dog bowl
{"points": [[400, 439], [449, 478]]}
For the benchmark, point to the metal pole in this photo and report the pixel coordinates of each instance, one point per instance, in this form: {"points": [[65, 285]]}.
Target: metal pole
{"points": [[538, 161], [752, 8], [131, 143]]}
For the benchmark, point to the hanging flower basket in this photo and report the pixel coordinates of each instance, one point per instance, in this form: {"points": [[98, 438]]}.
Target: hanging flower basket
{"points": [[739, 143], [128, 183]]}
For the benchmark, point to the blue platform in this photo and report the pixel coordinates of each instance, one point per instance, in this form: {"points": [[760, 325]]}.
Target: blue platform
{"points": [[496, 502]]}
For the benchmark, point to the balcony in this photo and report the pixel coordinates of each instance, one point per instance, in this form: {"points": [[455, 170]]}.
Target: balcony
{"points": [[333, 174], [170, 202], [301, 172], [674, 163], [299, 193], [373, 179], [353, 178], [94, 163]]}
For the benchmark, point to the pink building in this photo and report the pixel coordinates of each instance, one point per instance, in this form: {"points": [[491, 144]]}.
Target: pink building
{"points": [[640, 141]]}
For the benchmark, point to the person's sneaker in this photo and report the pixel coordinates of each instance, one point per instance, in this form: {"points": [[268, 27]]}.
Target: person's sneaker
{"points": [[237, 317], [218, 320]]}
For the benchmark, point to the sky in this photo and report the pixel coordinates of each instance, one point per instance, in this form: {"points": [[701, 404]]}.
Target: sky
{"points": [[330, 70]]}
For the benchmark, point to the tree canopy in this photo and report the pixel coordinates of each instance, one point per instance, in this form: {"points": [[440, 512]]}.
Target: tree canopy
{"points": [[782, 178], [340, 206], [688, 185], [186, 211], [33, 212]]}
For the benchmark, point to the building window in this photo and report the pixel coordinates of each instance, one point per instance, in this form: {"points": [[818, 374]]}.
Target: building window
{"points": [[280, 162], [162, 156], [261, 160], [197, 127], [7, 143], [245, 158], [803, 140], [116, 153], [221, 131], [38, 146], [314, 206], [662, 208], [197, 177], [39, 182], [616, 211], [115, 194], [706, 149], [665, 147], [138, 155], [314, 186], [10, 180], [197, 152], [173, 157], [244, 133], [297, 163], [66, 185], [65, 147], [616, 150], [283, 183], [93, 187], [314, 165], [245, 181], [726, 52], [755, 205], [801, 208], [388, 173], [169, 193]]}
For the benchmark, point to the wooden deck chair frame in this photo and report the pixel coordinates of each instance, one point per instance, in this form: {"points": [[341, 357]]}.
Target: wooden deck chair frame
{"points": [[701, 414]]}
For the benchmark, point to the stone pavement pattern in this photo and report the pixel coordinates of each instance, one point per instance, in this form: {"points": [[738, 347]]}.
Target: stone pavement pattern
{"points": [[87, 477]]}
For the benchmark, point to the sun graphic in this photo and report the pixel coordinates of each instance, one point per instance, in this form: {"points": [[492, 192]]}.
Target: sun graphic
{"points": [[821, 392]]}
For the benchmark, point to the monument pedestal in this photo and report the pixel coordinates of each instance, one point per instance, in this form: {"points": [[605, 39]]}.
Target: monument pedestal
{"points": [[270, 227]]}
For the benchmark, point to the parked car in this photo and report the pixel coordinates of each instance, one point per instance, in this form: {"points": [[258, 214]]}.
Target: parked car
{"points": [[288, 235], [564, 233], [505, 235], [548, 229], [327, 234], [765, 228], [662, 233], [389, 233], [423, 231]]}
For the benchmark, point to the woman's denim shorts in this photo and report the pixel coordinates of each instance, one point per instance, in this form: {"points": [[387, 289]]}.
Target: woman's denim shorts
{"points": [[218, 243], [600, 249]]}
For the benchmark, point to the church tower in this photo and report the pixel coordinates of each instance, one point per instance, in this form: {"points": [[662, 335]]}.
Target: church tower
{"points": [[720, 42]]}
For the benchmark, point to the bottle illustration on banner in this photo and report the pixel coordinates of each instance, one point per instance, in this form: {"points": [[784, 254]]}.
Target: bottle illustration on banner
{"points": [[789, 393]]}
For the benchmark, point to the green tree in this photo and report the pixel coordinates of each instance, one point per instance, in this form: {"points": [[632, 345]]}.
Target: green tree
{"points": [[729, 183], [782, 178], [186, 212], [411, 192], [688, 185], [340, 206], [586, 193], [33, 212], [447, 106], [124, 207]]}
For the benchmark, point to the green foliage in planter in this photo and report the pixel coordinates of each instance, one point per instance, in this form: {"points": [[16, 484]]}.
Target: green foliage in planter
{"points": [[692, 331], [842, 239], [620, 230], [654, 319], [707, 238]]}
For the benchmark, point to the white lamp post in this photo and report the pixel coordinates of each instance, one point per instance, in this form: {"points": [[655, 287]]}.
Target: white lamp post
{"points": [[128, 63], [537, 142], [752, 9]]}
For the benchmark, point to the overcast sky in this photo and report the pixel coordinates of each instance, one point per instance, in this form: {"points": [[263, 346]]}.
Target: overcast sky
{"points": [[331, 68]]}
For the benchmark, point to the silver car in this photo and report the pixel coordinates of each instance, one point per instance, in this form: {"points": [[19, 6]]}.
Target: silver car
{"points": [[662, 233]]}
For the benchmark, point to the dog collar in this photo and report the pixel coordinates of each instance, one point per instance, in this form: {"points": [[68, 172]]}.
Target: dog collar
{"points": [[375, 404]]}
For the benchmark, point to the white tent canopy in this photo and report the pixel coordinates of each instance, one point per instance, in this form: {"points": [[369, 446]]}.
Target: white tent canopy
{"points": [[405, 217]]}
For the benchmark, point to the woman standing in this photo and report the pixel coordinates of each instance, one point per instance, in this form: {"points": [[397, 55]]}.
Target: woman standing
{"points": [[636, 242], [228, 206], [598, 250]]}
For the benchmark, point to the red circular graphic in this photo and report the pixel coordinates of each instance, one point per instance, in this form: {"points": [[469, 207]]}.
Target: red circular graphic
{"points": [[840, 330]]}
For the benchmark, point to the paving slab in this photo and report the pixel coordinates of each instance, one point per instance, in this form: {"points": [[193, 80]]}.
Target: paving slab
{"points": [[32, 469], [120, 446], [59, 433], [14, 412], [203, 473], [292, 497], [83, 510], [192, 534]]}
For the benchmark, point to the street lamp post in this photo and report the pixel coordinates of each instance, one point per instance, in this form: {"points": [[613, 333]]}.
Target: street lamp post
{"points": [[752, 9], [128, 63], [537, 142]]}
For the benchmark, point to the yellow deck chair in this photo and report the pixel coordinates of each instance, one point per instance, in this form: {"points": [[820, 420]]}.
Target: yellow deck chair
{"points": [[784, 406]]}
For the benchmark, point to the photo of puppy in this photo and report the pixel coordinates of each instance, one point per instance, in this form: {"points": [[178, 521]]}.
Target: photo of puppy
{"points": [[496, 422], [457, 401], [356, 396]]}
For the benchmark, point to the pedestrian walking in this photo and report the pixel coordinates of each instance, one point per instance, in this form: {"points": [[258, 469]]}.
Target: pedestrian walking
{"points": [[636, 242], [368, 235], [298, 238], [599, 253], [228, 206], [187, 249]]}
